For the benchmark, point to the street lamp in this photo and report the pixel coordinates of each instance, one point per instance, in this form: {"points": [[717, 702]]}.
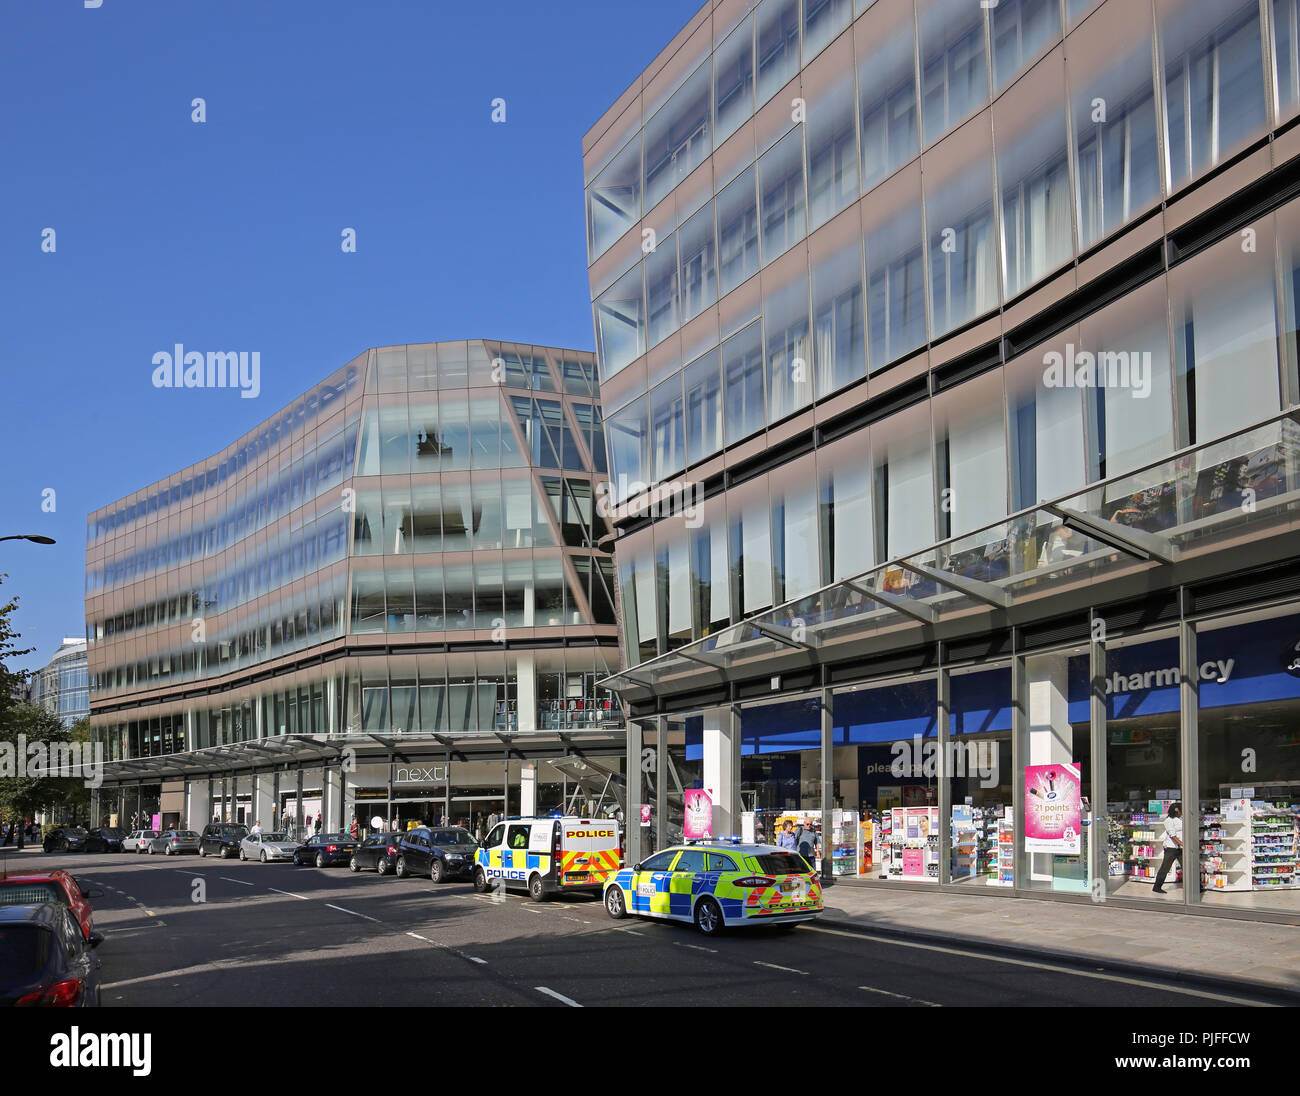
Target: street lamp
{"points": [[35, 538]]}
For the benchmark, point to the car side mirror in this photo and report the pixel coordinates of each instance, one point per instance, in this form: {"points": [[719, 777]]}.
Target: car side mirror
{"points": [[95, 939], [92, 893], [636, 867]]}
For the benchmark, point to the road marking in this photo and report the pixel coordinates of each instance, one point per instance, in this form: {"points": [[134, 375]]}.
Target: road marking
{"points": [[558, 996], [184, 872], [354, 913], [788, 970], [448, 947], [630, 932], [693, 947], [241, 882], [901, 996], [289, 893], [1054, 967], [476, 959]]}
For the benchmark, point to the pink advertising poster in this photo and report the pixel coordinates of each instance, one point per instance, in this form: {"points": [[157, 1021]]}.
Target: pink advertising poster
{"points": [[914, 862], [699, 815], [1053, 813]]}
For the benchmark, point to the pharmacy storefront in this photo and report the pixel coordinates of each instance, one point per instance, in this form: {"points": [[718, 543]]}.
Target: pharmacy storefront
{"points": [[1050, 732]]}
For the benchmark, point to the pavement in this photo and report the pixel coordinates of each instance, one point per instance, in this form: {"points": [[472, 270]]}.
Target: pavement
{"points": [[1178, 946]]}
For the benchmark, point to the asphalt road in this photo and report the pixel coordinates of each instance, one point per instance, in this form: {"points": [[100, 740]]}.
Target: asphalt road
{"points": [[190, 931]]}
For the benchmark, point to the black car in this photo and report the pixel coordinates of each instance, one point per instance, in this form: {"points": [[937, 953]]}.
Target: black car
{"points": [[104, 839], [221, 839], [441, 854], [325, 849], [45, 960], [378, 851], [65, 839]]}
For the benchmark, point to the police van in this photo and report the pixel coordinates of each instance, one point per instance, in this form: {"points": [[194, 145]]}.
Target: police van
{"points": [[546, 856]]}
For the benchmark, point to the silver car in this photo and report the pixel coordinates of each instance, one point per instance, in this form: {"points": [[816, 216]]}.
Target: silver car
{"points": [[172, 842], [139, 840], [267, 846]]}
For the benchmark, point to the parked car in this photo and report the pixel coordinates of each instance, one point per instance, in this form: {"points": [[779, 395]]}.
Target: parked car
{"points": [[222, 839], [172, 842], [440, 854], [267, 846], [137, 841], [65, 839], [378, 852], [34, 888], [104, 839], [44, 959], [325, 849]]}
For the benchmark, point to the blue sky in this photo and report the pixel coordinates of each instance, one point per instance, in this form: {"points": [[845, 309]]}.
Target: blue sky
{"points": [[321, 115]]}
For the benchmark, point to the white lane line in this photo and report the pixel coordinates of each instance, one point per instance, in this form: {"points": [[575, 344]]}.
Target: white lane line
{"points": [[476, 959], [184, 872], [289, 893], [630, 932], [448, 947], [558, 996], [695, 947], [241, 882], [901, 996], [773, 966], [1054, 967], [354, 913]]}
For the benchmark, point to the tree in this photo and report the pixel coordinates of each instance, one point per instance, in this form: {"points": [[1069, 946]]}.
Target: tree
{"points": [[23, 794], [11, 699]]}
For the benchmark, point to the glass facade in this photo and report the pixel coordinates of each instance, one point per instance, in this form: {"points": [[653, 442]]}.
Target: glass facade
{"points": [[62, 686], [437, 500], [993, 413]]}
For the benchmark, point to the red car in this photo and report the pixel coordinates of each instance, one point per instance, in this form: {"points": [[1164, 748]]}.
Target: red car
{"points": [[31, 888]]}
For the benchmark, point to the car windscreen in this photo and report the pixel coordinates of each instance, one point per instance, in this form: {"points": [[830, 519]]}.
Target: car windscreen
{"points": [[235, 833], [187, 835], [75, 831], [150, 833], [31, 894], [109, 832], [782, 863], [335, 838], [454, 837], [24, 951], [275, 837]]}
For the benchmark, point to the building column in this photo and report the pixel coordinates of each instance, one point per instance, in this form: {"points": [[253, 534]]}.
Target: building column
{"points": [[263, 800], [1050, 739], [1189, 703], [331, 793], [633, 840], [526, 690], [1098, 863], [198, 806], [827, 786], [722, 768]]}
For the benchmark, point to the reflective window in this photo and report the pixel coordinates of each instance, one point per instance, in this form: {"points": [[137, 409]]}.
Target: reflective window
{"points": [[1034, 174], [628, 432], [778, 45], [971, 454], [904, 481], [780, 184], [737, 231], [1214, 81], [710, 591], [703, 407], [453, 438], [822, 21], [839, 324], [668, 443], [733, 81], [751, 546], [789, 352], [742, 371], [886, 41], [953, 80], [895, 270], [677, 137], [672, 580], [1021, 30], [614, 199], [847, 536], [661, 290], [831, 133], [1047, 425], [620, 323], [1286, 54], [698, 256], [1108, 61], [795, 549], [958, 183]]}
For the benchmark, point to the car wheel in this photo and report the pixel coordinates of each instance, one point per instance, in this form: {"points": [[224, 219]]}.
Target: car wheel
{"points": [[615, 903], [203, 852], [168, 850], [437, 871], [536, 889], [320, 859], [708, 917], [382, 866], [402, 871], [480, 881], [296, 862], [353, 865], [263, 856], [243, 855]]}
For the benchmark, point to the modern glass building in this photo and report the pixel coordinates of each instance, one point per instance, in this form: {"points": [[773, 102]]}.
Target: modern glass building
{"points": [[949, 356], [61, 685], [387, 600]]}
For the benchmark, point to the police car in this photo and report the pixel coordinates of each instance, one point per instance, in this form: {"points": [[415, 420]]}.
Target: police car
{"points": [[717, 885], [547, 856]]}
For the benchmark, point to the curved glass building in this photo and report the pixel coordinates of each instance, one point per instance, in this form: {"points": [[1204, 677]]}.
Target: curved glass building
{"points": [[397, 574]]}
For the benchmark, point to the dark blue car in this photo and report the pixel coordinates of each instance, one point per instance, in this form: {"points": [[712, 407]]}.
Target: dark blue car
{"points": [[325, 849], [45, 961]]}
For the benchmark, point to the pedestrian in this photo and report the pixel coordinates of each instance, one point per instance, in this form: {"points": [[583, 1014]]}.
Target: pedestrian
{"points": [[354, 829], [806, 841], [256, 830], [1173, 845], [318, 821], [786, 839]]}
